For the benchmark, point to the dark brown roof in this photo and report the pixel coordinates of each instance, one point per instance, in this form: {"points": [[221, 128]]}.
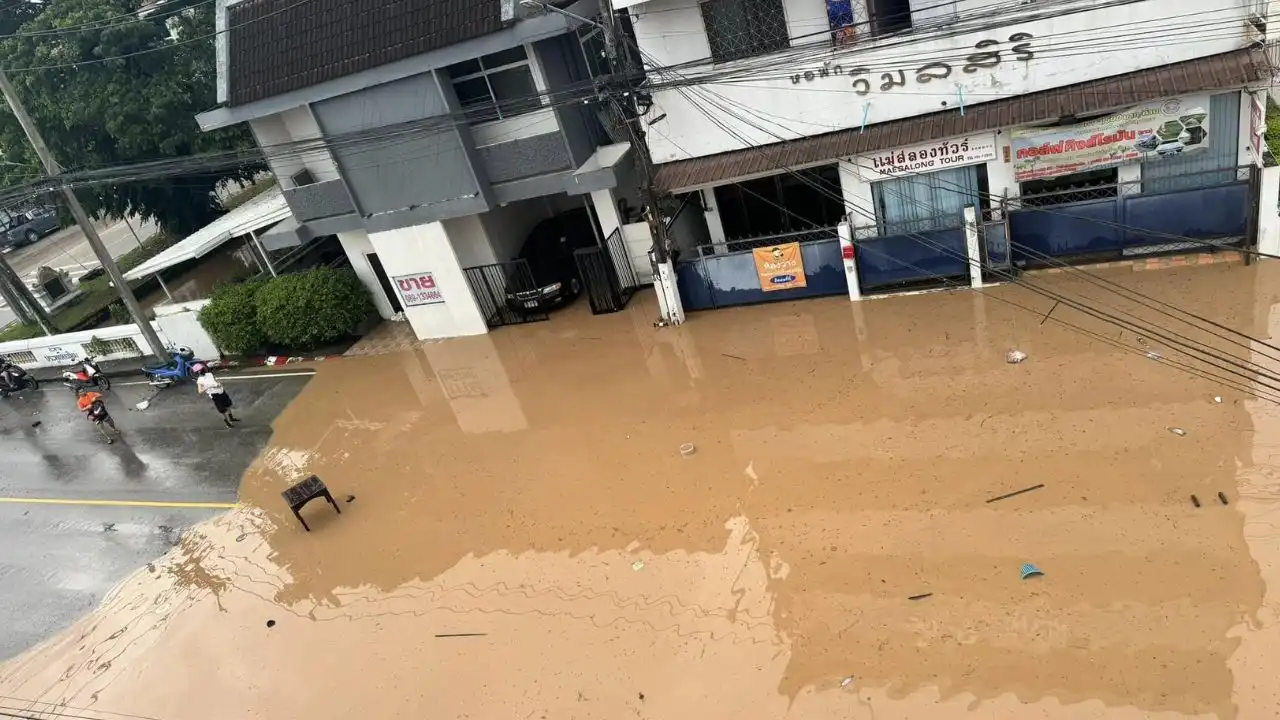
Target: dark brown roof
{"points": [[1227, 70], [282, 45]]}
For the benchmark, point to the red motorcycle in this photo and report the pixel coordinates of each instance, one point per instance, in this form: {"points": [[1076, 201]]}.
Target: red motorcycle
{"points": [[85, 374]]}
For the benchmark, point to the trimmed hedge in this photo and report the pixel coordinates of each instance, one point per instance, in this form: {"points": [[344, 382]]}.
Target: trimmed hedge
{"points": [[309, 309], [231, 318], [296, 312]]}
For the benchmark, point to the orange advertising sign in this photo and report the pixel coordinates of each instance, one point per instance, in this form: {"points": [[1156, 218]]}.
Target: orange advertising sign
{"points": [[780, 267]]}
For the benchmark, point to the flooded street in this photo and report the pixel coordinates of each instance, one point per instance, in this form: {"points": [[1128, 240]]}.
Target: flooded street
{"points": [[522, 537]]}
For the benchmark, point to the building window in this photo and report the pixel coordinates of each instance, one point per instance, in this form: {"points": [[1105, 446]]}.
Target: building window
{"points": [[744, 28], [890, 16], [496, 86], [755, 213]]}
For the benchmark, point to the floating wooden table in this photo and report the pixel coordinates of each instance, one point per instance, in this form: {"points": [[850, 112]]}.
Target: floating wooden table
{"points": [[303, 493]]}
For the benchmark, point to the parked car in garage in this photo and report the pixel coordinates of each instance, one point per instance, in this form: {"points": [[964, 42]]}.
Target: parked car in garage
{"points": [[548, 250], [28, 226]]}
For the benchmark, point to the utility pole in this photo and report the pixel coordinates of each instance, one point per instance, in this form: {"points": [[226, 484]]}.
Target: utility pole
{"points": [[621, 65], [82, 219], [12, 299]]}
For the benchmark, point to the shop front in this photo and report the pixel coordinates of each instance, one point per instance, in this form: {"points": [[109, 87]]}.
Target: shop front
{"points": [[1165, 176], [907, 209]]}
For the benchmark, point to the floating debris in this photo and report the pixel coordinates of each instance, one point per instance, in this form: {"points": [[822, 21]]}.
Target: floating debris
{"points": [[108, 527], [143, 404], [1177, 431], [456, 635], [37, 423], [1195, 501], [1029, 570], [351, 498], [1013, 357], [1217, 399], [687, 449], [637, 565], [921, 596], [1015, 492], [271, 623], [751, 470], [847, 681], [1223, 498], [1155, 356]]}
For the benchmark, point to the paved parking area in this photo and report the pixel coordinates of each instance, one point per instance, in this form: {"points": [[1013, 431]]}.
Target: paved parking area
{"points": [[77, 515]]}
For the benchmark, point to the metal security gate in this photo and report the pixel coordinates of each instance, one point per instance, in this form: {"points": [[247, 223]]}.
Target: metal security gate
{"points": [[496, 288], [607, 275]]}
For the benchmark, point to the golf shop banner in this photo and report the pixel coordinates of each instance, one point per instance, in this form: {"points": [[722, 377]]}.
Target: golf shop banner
{"points": [[1160, 129], [780, 267]]}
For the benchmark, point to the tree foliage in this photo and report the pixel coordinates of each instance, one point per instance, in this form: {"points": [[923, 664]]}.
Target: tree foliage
{"points": [[101, 114], [231, 318]]}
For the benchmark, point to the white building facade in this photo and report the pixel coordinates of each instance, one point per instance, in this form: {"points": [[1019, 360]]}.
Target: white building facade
{"points": [[1071, 131]]}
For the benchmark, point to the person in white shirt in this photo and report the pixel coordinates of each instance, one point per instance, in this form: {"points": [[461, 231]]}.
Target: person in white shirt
{"points": [[207, 384]]}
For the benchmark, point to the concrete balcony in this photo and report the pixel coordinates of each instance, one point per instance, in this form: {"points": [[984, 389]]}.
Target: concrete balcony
{"points": [[318, 201]]}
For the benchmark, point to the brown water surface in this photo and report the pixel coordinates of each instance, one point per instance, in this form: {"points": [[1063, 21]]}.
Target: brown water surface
{"points": [[527, 541]]}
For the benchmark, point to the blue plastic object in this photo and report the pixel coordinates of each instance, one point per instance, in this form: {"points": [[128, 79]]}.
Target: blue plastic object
{"points": [[1029, 570]]}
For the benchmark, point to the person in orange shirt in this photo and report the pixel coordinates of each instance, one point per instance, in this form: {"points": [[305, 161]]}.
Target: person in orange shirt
{"points": [[95, 410]]}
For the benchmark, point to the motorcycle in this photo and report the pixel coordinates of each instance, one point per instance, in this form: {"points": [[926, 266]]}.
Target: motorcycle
{"points": [[14, 379], [180, 368], [84, 374], [96, 412]]}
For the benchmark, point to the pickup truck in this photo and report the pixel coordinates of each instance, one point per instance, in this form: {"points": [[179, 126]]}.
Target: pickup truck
{"points": [[28, 226]]}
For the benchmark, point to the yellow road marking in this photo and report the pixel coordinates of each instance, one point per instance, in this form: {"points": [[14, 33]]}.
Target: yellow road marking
{"points": [[119, 503]]}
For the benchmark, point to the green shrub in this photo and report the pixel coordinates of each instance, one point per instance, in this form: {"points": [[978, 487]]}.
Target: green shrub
{"points": [[303, 311], [231, 318]]}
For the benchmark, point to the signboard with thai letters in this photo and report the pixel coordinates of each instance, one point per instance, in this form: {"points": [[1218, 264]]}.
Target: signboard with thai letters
{"points": [[418, 289], [927, 157]]}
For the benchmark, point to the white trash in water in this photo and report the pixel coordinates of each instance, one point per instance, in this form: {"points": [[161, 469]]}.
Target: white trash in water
{"points": [[1013, 357], [687, 449], [143, 405], [1217, 398], [1177, 431]]}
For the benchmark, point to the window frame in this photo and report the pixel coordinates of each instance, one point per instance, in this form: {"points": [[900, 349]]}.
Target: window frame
{"points": [[494, 106], [755, 52]]}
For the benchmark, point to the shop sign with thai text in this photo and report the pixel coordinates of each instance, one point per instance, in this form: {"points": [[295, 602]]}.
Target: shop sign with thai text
{"points": [[988, 55], [1161, 129], [418, 289], [927, 157]]}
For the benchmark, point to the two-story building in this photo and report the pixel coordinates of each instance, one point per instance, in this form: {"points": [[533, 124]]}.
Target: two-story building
{"points": [[429, 136], [1075, 129]]}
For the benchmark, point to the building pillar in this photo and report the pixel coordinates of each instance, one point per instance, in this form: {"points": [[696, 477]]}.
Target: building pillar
{"points": [[856, 191], [715, 228], [1269, 211], [1000, 180], [438, 302], [606, 207], [664, 283], [972, 249], [848, 255]]}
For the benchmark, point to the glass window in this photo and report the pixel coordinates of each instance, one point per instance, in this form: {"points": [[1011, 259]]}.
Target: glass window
{"points": [[744, 28], [496, 86]]}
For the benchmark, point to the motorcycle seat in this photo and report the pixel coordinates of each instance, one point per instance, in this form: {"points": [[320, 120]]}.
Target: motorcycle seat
{"points": [[158, 367]]}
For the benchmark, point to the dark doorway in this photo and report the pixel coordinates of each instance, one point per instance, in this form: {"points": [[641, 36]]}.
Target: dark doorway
{"points": [[385, 282]]}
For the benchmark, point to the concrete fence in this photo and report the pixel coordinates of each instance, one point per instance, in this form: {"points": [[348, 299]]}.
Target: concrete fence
{"points": [[176, 324]]}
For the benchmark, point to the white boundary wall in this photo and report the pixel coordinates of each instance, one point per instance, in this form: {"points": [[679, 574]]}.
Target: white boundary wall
{"points": [[176, 325]]}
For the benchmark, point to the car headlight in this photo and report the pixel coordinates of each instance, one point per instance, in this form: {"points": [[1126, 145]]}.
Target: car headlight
{"points": [[551, 289]]}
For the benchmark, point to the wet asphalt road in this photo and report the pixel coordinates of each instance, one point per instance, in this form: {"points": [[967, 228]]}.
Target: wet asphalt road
{"points": [[58, 559]]}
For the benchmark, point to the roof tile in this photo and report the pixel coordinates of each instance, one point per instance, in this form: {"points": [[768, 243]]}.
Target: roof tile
{"points": [[281, 45]]}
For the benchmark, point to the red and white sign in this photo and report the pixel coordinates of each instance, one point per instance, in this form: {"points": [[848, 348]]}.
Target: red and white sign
{"points": [[417, 289]]}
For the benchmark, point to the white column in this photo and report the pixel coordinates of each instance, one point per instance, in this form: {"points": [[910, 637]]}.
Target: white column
{"points": [[715, 228], [971, 246], [856, 191], [606, 205], [1268, 212], [424, 252], [849, 256], [664, 282], [1000, 180]]}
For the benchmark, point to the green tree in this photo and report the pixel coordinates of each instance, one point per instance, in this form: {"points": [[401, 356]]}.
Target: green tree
{"points": [[142, 107]]}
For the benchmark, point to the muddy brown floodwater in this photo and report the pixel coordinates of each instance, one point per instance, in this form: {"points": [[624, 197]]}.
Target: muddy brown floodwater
{"points": [[527, 540]]}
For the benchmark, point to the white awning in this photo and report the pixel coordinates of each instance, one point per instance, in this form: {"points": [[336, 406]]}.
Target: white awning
{"points": [[259, 213]]}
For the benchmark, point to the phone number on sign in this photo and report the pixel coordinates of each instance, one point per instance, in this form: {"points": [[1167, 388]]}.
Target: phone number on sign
{"points": [[418, 289]]}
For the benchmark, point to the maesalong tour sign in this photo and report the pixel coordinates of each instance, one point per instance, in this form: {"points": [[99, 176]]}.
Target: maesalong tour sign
{"points": [[927, 157]]}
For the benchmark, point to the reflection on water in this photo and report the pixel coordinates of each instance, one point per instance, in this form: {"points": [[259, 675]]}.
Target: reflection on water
{"points": [[528, 541]]}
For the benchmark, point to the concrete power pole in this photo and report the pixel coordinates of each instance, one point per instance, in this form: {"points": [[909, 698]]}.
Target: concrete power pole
{"points": [[621, 65], [82, 219]]}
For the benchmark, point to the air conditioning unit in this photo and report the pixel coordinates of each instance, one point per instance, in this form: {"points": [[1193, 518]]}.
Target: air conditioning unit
{"points": [[301, 178]]}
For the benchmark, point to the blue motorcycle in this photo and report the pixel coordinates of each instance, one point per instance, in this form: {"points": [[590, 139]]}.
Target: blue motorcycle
{"points": [[182, 366]]}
